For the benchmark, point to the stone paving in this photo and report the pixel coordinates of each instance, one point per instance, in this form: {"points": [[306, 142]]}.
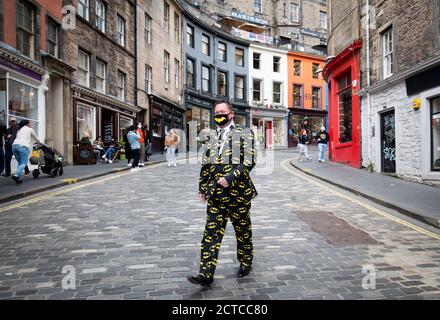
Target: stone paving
{"points": [[137, 237]]}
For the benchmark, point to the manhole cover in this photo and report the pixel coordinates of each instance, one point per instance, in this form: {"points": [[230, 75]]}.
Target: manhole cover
{"points": [[336, 231]]}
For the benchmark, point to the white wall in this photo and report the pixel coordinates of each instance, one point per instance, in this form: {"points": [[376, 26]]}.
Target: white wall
{"points": [[266, 73], [412, 132]]}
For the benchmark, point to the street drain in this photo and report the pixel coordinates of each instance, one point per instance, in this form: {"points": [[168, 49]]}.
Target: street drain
{"points": [[336, 231]]}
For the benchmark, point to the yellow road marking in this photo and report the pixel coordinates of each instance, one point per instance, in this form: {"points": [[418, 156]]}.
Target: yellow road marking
{"points": [[70, 189], [286, 165]]}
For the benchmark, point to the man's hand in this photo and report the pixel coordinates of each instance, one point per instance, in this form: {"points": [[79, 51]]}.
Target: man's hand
{"points": [[223, 182], [202, 197]]}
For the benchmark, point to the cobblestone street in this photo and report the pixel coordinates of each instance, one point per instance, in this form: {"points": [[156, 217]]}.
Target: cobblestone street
{"points": [[137, 236]]}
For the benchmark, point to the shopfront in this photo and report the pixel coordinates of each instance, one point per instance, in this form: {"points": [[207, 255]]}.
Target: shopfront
{"points": [[164, 115], [98, 115], [312, 120], [270, 127], [22, 93]]}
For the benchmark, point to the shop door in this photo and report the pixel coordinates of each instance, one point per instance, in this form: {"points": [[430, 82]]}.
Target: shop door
{"points": [[388, 138], [269, 133]]}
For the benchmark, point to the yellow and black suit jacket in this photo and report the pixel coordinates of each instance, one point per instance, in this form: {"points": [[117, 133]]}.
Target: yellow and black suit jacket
{"points": [[235, 162]]}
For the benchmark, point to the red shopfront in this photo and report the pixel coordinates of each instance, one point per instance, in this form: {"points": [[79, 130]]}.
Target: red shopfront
{"points": [[342, 75]]}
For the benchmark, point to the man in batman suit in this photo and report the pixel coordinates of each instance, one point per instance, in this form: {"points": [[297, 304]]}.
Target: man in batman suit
{"points": [[229, 155]]}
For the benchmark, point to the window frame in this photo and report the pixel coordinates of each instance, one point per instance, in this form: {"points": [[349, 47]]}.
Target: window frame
{"points": [[194, 73], [315, 74], [258, 6], [23, 31], [98, 17], [204, 67], [120, 34], [105, 76], [319, 107], [237, 49], [56, 44], [242, 76], [147, 29], [260, 91], [85, 4], [277, 62], [166, 66], [148, 78], [301, 95], [190, 40], [431, 115], [280, 93], [385, 54], [206, 44], [254, 60], [300, 68], [124, 85], [348, 86], [225, 51], [176, 73], [323, 20], [176, 27], [295, 12], [87, 85], [226, 73], [166, 16]]}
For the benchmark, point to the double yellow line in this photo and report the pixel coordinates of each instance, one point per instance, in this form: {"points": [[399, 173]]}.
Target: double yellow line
{"points": [[81, 185], [287, 166]]}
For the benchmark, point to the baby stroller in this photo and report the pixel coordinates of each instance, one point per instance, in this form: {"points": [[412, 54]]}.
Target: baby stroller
{"points": [[48, 161]]}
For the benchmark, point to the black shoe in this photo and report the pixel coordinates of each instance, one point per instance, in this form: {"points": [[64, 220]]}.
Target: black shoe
{"points": [[6, 175], [17, 180], [243, 271], [201, 280]]}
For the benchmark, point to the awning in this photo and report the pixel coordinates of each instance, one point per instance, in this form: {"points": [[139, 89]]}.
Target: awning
{"points": [[239, 24]]}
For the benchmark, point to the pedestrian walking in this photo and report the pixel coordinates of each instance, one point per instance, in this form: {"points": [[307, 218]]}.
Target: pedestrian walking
{"points": [[303, 145], [11, 134], [229, 156], [128, 154], [141, 133], [148, 144], [133, 141], [22, 147], [172, 140], [323, 139], [3, 133]]}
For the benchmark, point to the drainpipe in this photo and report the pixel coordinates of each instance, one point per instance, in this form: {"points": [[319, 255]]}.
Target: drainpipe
{"points": [[370, 114]]}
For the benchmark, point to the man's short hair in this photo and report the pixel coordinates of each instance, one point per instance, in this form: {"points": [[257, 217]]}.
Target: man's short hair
{"points": [[225, 102]]}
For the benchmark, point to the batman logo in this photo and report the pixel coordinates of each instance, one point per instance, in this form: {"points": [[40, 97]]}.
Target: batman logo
{"points": [[220, 120], [240, 252], [222, 231], [240, 239], [235, 216], [248, 192], [234, 193], [222, 206], [206, 255], [227, 168], [212, 225], [236, 143], [245, 144], [212, 153], [228, 151], [251, 151], [242, 185], [219, 191], [250, 136], [247, 257], [212, 169], [219, 160], [208, 239], [237, 228], [240, 199], [246, 235], [242, 210], [226, 200], [243, 222], [219, 218], [237, 173], [247, 162], [247, 247], [235, 160], [213, 210]]}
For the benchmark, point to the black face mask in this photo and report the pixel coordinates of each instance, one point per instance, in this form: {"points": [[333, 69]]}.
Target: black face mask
{"points": [[221, 119]]}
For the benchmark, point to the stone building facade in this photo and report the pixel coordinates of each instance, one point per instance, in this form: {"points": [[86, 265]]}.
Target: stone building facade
{"points": [[296, 24], [403, 65], [101, 47], [159, 67], [34, 77]]}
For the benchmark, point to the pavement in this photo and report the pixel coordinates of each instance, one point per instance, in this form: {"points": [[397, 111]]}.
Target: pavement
{"points": [[136, 235], [416, 200], [9, 190]]}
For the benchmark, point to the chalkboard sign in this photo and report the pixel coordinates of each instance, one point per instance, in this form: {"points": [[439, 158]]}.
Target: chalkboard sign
{"points": [[84, 154], [108, 131]]}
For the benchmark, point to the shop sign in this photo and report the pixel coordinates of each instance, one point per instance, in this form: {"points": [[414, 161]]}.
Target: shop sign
{"points": [[252, 19], [312, 33], [20, 69]]}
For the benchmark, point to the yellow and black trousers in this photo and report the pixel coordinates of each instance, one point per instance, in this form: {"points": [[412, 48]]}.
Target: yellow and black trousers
{"points": [[218, 214]]}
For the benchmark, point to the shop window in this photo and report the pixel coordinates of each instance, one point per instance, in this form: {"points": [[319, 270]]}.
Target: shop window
{"points": [[298, 96], [202, 117], [222, 84], [435, 134], [3, 103], [277, 92], [23, 101], [316, 98], [240, 120], [157, 123], [124, 123], [86, 122], [345, 109], [25, 28], [257, 90]]}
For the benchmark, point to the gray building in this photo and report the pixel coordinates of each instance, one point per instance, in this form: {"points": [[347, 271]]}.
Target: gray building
{"points": [[216, 67]]}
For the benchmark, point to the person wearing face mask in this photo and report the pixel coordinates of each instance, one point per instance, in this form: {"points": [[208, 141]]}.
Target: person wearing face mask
{"points": [[323, 139], [229, 156], [141, 133]]}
